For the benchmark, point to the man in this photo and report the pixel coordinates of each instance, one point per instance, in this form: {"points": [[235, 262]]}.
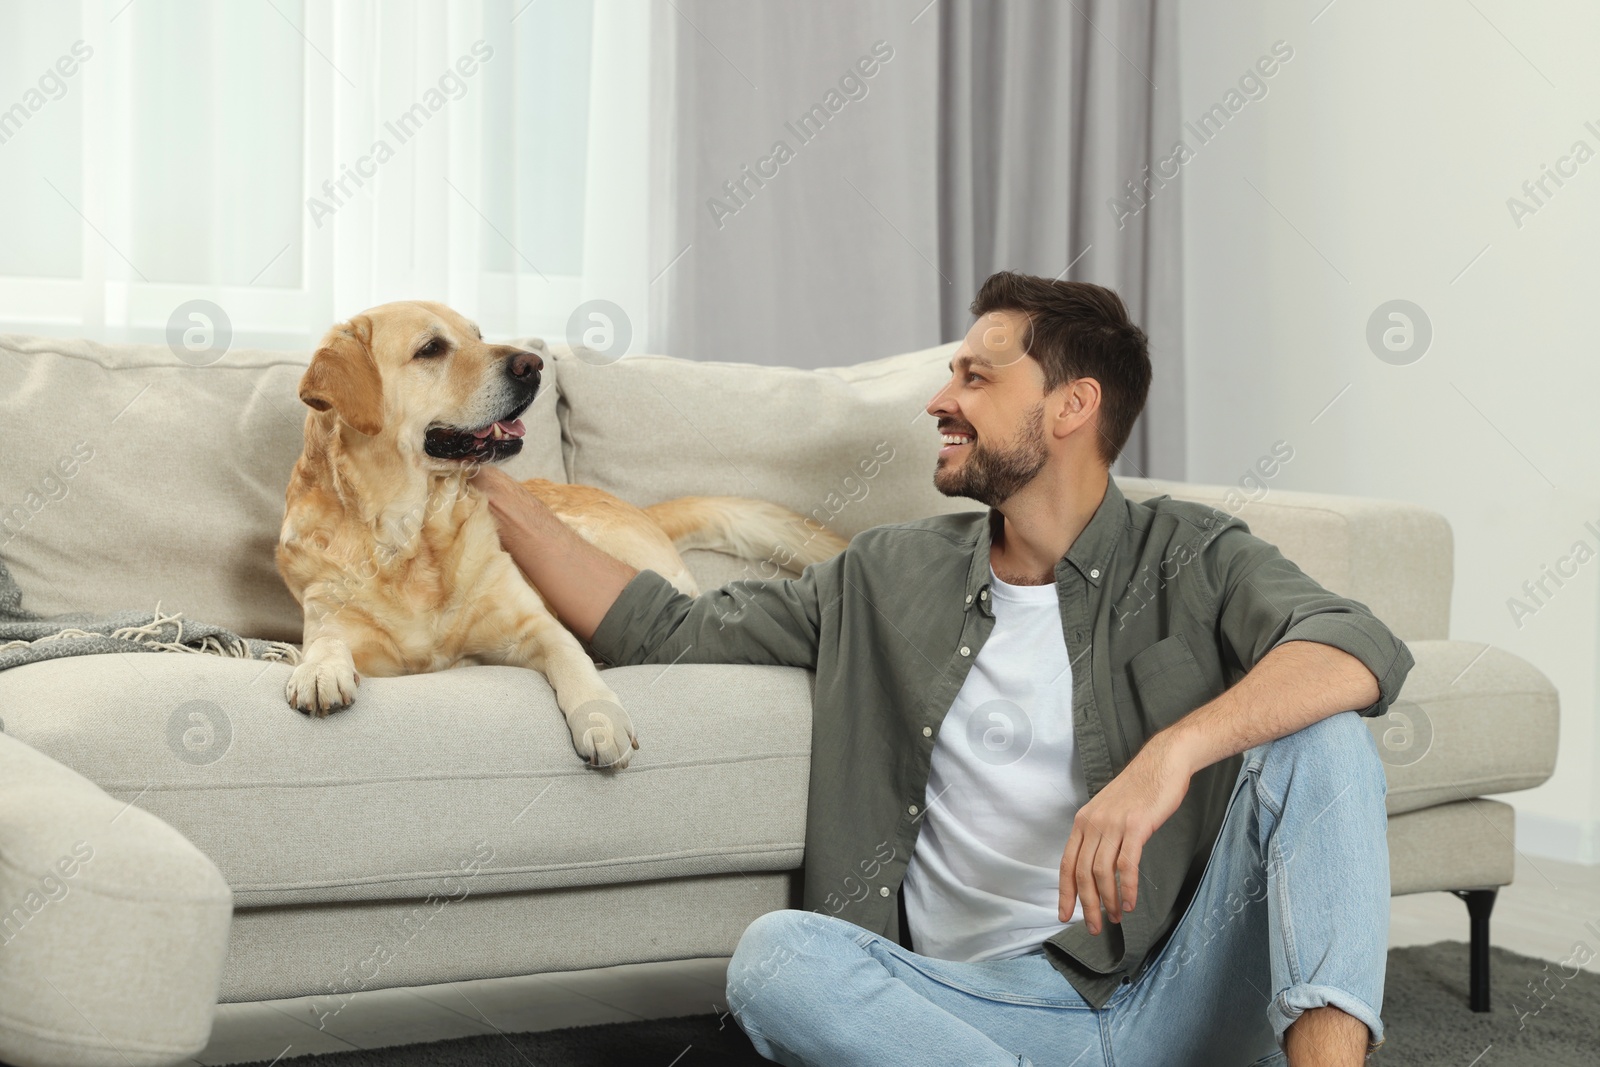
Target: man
{"points": [[1109, 754]]}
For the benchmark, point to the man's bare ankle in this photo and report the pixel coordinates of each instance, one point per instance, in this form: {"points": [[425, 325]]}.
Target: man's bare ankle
{"points": [[1326, 1037]]}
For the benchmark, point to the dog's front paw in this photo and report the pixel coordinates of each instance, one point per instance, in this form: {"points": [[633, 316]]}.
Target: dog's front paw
{"points": [[319, 688], [602, 733]]}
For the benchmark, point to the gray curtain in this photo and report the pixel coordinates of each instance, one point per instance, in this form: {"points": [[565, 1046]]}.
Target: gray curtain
{"points": [[996, 136], [1046, 111], [830, 257]]}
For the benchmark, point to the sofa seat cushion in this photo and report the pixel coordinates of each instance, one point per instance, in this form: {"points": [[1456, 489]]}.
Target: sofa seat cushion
{"points": [[1464, 845], [463, 780], [1470, 721], [132, 478]]}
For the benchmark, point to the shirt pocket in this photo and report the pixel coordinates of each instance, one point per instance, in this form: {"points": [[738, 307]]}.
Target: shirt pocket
{"points": [[1168, 682]]}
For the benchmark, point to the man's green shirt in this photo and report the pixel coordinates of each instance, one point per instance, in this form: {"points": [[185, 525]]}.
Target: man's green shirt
{"points": [[1164, 604]]}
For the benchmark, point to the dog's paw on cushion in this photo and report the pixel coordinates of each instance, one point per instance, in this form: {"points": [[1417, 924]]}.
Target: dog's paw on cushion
{"points": [[602, 733], [321, 686]]}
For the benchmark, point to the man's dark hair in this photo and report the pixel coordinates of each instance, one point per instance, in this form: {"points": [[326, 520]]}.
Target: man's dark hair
{"points": [[1079, 330]]}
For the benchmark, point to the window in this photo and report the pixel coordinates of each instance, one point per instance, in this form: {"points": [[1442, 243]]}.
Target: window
{"points": [[297, 162]]}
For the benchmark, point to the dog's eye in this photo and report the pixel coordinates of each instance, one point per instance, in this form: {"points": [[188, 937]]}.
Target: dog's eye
{"points": [[435, 347]]}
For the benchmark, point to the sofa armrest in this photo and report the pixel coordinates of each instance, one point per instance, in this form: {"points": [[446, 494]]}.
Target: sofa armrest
{"points": [[113, 927], [1471, 721], [1394, 557]]}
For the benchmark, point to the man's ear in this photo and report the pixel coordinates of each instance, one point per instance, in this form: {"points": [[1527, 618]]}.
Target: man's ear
{"points": [[344, 377]]}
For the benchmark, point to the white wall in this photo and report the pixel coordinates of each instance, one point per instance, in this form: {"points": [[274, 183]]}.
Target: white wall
{"points": [[1384, 153]]}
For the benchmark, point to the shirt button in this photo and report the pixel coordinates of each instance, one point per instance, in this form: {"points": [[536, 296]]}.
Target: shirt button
{"points": [[965, 651], [912, 809], [984, 595], [969, 598], [1094, 573], [883, 890], [927, 731]]}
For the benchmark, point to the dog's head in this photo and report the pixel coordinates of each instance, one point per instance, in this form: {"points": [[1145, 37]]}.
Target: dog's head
{"points": [[421, 374]]}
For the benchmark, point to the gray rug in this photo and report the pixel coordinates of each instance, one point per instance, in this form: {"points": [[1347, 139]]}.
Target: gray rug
{"points": [[1425, 1014], [1543, 1014]]}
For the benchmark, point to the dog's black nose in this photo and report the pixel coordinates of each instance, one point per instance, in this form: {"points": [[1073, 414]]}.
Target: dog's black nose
{"points": [[525, 365]]}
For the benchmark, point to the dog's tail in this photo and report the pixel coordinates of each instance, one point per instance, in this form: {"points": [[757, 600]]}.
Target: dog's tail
{"points": [[752, 529]]}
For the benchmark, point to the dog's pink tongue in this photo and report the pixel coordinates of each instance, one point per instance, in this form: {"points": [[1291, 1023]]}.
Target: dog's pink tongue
{"points": [[514, 428]]}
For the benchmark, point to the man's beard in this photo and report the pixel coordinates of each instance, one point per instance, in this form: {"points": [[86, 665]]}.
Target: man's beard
{"points": [[991, 476]]}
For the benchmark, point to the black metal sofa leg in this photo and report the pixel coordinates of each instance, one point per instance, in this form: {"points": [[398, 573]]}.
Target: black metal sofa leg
{"points": [[1480, 902]]}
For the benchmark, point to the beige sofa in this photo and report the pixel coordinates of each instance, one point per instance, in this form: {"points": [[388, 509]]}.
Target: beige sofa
{"points": [[442, 828]]}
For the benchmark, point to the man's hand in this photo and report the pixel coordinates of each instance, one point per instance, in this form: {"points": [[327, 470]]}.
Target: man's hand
{"points": [[514, 508], [578, 580], [1110, 831], [1294, 685]]}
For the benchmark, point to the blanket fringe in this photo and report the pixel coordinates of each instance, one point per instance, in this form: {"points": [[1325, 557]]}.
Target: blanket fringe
{"points": [[230, 646]]}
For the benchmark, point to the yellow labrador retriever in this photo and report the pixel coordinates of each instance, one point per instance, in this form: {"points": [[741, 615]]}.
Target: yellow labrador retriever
{"points": [[395, 556]]}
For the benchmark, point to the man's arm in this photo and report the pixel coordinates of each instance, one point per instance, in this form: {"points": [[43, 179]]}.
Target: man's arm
{"points": [[580, 581], [1308, 654], [628, 616], [1296, 684]]}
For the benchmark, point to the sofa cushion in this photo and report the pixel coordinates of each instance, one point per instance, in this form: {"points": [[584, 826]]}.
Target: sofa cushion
{"points": [[1465, 845], [133, 477], [1470, 721], [423, 777], [850, 446]]}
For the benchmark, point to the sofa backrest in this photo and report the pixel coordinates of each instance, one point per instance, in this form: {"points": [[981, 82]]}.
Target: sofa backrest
{"points": [[128, 476]]}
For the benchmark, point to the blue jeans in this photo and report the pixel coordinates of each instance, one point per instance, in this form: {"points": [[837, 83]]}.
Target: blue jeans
{"points": [[1291, 913]]}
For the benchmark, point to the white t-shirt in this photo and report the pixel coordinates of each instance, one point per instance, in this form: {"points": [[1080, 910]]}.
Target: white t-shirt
{"points": [[1005, 782]]}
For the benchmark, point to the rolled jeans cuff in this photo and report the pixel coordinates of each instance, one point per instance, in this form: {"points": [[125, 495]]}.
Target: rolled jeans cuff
{"points": [[1288, 1006]]}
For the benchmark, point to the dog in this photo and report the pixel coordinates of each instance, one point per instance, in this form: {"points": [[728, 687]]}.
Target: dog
{"points": [[395, 557]]}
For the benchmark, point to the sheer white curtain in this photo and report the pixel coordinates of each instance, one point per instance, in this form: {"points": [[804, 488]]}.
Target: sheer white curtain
{"points": [[296, 162]]}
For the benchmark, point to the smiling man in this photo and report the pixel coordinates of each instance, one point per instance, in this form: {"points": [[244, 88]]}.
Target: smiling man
{"points": [[1089, 777]]}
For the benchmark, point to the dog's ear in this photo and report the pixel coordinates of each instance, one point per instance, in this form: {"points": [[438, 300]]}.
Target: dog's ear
{"points": [[344, 377]]}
